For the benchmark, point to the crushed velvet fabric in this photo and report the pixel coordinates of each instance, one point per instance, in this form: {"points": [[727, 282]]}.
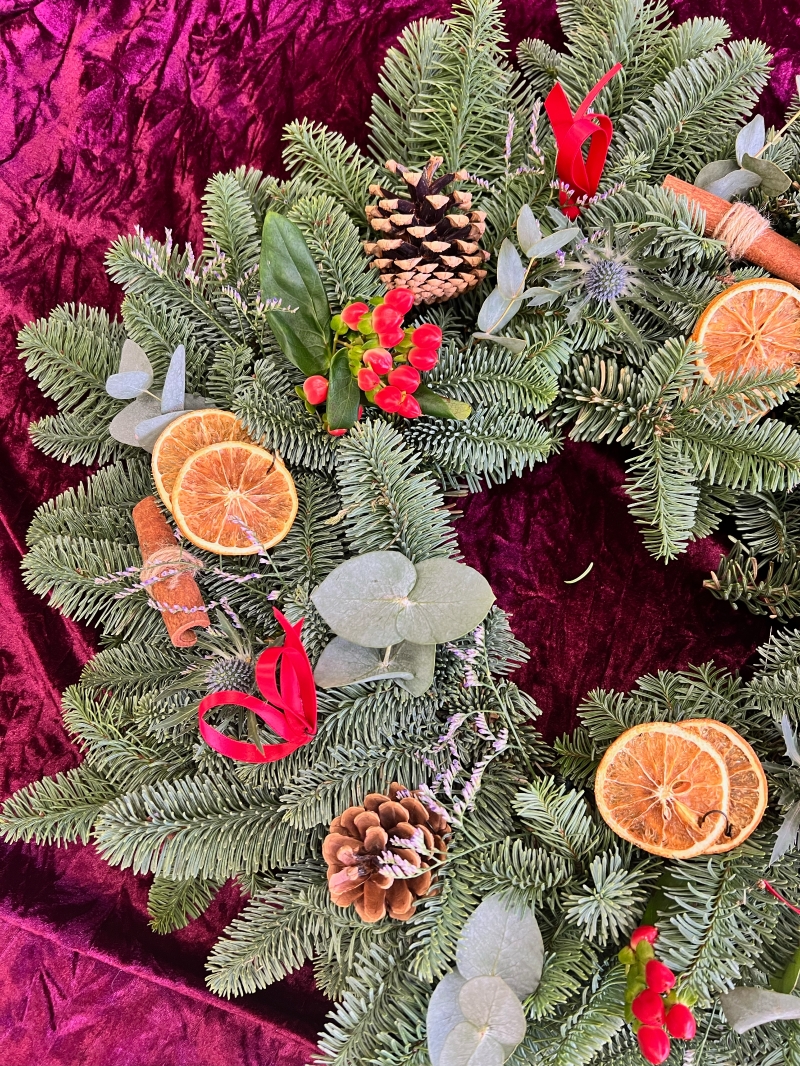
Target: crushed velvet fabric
{"points": [[115, 114]]}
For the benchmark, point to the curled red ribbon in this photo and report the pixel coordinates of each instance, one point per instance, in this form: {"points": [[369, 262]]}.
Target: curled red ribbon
{"points": [[290, 711], [581, 177]]}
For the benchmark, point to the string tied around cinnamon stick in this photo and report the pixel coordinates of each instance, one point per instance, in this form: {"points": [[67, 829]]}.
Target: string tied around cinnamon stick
{"points": [[740, 228], [168, 571]]}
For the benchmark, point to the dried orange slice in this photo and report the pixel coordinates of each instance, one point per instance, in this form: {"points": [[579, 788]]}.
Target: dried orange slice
{"points": [[658, 786], [233, 498], [189, 433], [751, 326], [747, 777]]}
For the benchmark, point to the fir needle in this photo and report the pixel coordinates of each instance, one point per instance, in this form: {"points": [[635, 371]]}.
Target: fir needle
{"points": [[580, 577]]}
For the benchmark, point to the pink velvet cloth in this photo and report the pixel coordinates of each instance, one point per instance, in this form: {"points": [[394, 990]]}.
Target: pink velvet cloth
{"points": [[117, 113]]}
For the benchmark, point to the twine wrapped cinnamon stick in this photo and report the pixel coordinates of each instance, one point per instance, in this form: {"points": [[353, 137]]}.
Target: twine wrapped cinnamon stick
{"points": [[746, 233], [176, 593]]}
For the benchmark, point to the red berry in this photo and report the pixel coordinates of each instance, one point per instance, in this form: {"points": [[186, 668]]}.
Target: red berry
{"points": [[644, 932], [653, 1044], [353, 314], [427, 336], [316, 388], [379, 359], [337, 432], [385, 318], [405, 378], [368, 380], [389, 399], [680, 1022], [648, 1007], [658, 976], [391, 335], [401, 300], [423, 358], [409, 408]]}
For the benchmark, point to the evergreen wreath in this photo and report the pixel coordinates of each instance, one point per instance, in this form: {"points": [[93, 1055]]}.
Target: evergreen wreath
{"points": [[599, 350]]}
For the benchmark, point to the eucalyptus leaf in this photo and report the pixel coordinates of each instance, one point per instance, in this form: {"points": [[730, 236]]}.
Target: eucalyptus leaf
{"points": [[466, 1046], [745, 1008], [361, 599], [135, 374], [792, 753], [539, 295], [510, 270], [344, 394], [496, 310], [289, 273], [515, 344], [344, 663], [774, 181], [503, 940], [735, 184], [123, 425], [751, 138], [548, 245], [528, 229], [444, 1013], [439, 406], [149, 430], [448, 600], [420, 659], [713, 171], [172, 395], [788, 833], [490, 1005]]}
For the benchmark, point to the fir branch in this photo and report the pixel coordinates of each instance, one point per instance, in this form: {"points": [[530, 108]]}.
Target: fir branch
{"points": [[173, 904], [494, 375], [611, 905], [325, 162], [387, 502], [76, 438], [57, 809], [336, 247], [229, 217], [558, 817], [125, 672]]}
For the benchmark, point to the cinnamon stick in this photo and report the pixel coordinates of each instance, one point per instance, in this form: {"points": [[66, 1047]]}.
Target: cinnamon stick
{"points": [[176, 593], [771, 251]]}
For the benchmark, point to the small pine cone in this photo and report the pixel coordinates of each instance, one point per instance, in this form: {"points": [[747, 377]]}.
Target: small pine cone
{"points": [[366, 859], [428, 240]]}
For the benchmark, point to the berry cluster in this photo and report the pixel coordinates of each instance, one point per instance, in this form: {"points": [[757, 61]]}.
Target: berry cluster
{"points": [[385, 358], [651, 1005]]}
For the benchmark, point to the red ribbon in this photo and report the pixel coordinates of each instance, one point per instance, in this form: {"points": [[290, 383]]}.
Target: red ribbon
{"points": [[582, 177], [290, 711]]}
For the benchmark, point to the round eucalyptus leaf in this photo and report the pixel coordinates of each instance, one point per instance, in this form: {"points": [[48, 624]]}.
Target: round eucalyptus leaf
{"points": [[448, 600], [503, 940], [420, 659], [343, 663], [490, 1005], [361, 599], [713, 171], [774, 181], [466, 1046], [528, 229], [750, 138], [148, 431], [444, 1013], [737, 183], [123, 425], [129, 384], [510, 271]]}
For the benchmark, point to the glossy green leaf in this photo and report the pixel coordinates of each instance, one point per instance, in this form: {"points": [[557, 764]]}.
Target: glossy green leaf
{"points": [[503, 940], [344, 395], [439, 406], [290, 274], [448, 600]]}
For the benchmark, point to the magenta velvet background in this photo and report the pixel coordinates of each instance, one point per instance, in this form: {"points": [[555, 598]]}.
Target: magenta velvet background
{"points": [[115, 112]]}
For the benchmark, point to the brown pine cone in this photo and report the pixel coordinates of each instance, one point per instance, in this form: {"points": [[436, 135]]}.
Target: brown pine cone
{"points": [[426, 240], [366, 868]]}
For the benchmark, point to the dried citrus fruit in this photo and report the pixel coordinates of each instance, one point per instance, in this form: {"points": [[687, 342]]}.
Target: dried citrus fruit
{"points": [[658, 786], [189, 433], [747, 777], [751, 326], [233, 498]]}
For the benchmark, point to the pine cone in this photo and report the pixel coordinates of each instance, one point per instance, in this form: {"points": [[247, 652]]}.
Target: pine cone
{"points": [[365, 867], [427, 242]]}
